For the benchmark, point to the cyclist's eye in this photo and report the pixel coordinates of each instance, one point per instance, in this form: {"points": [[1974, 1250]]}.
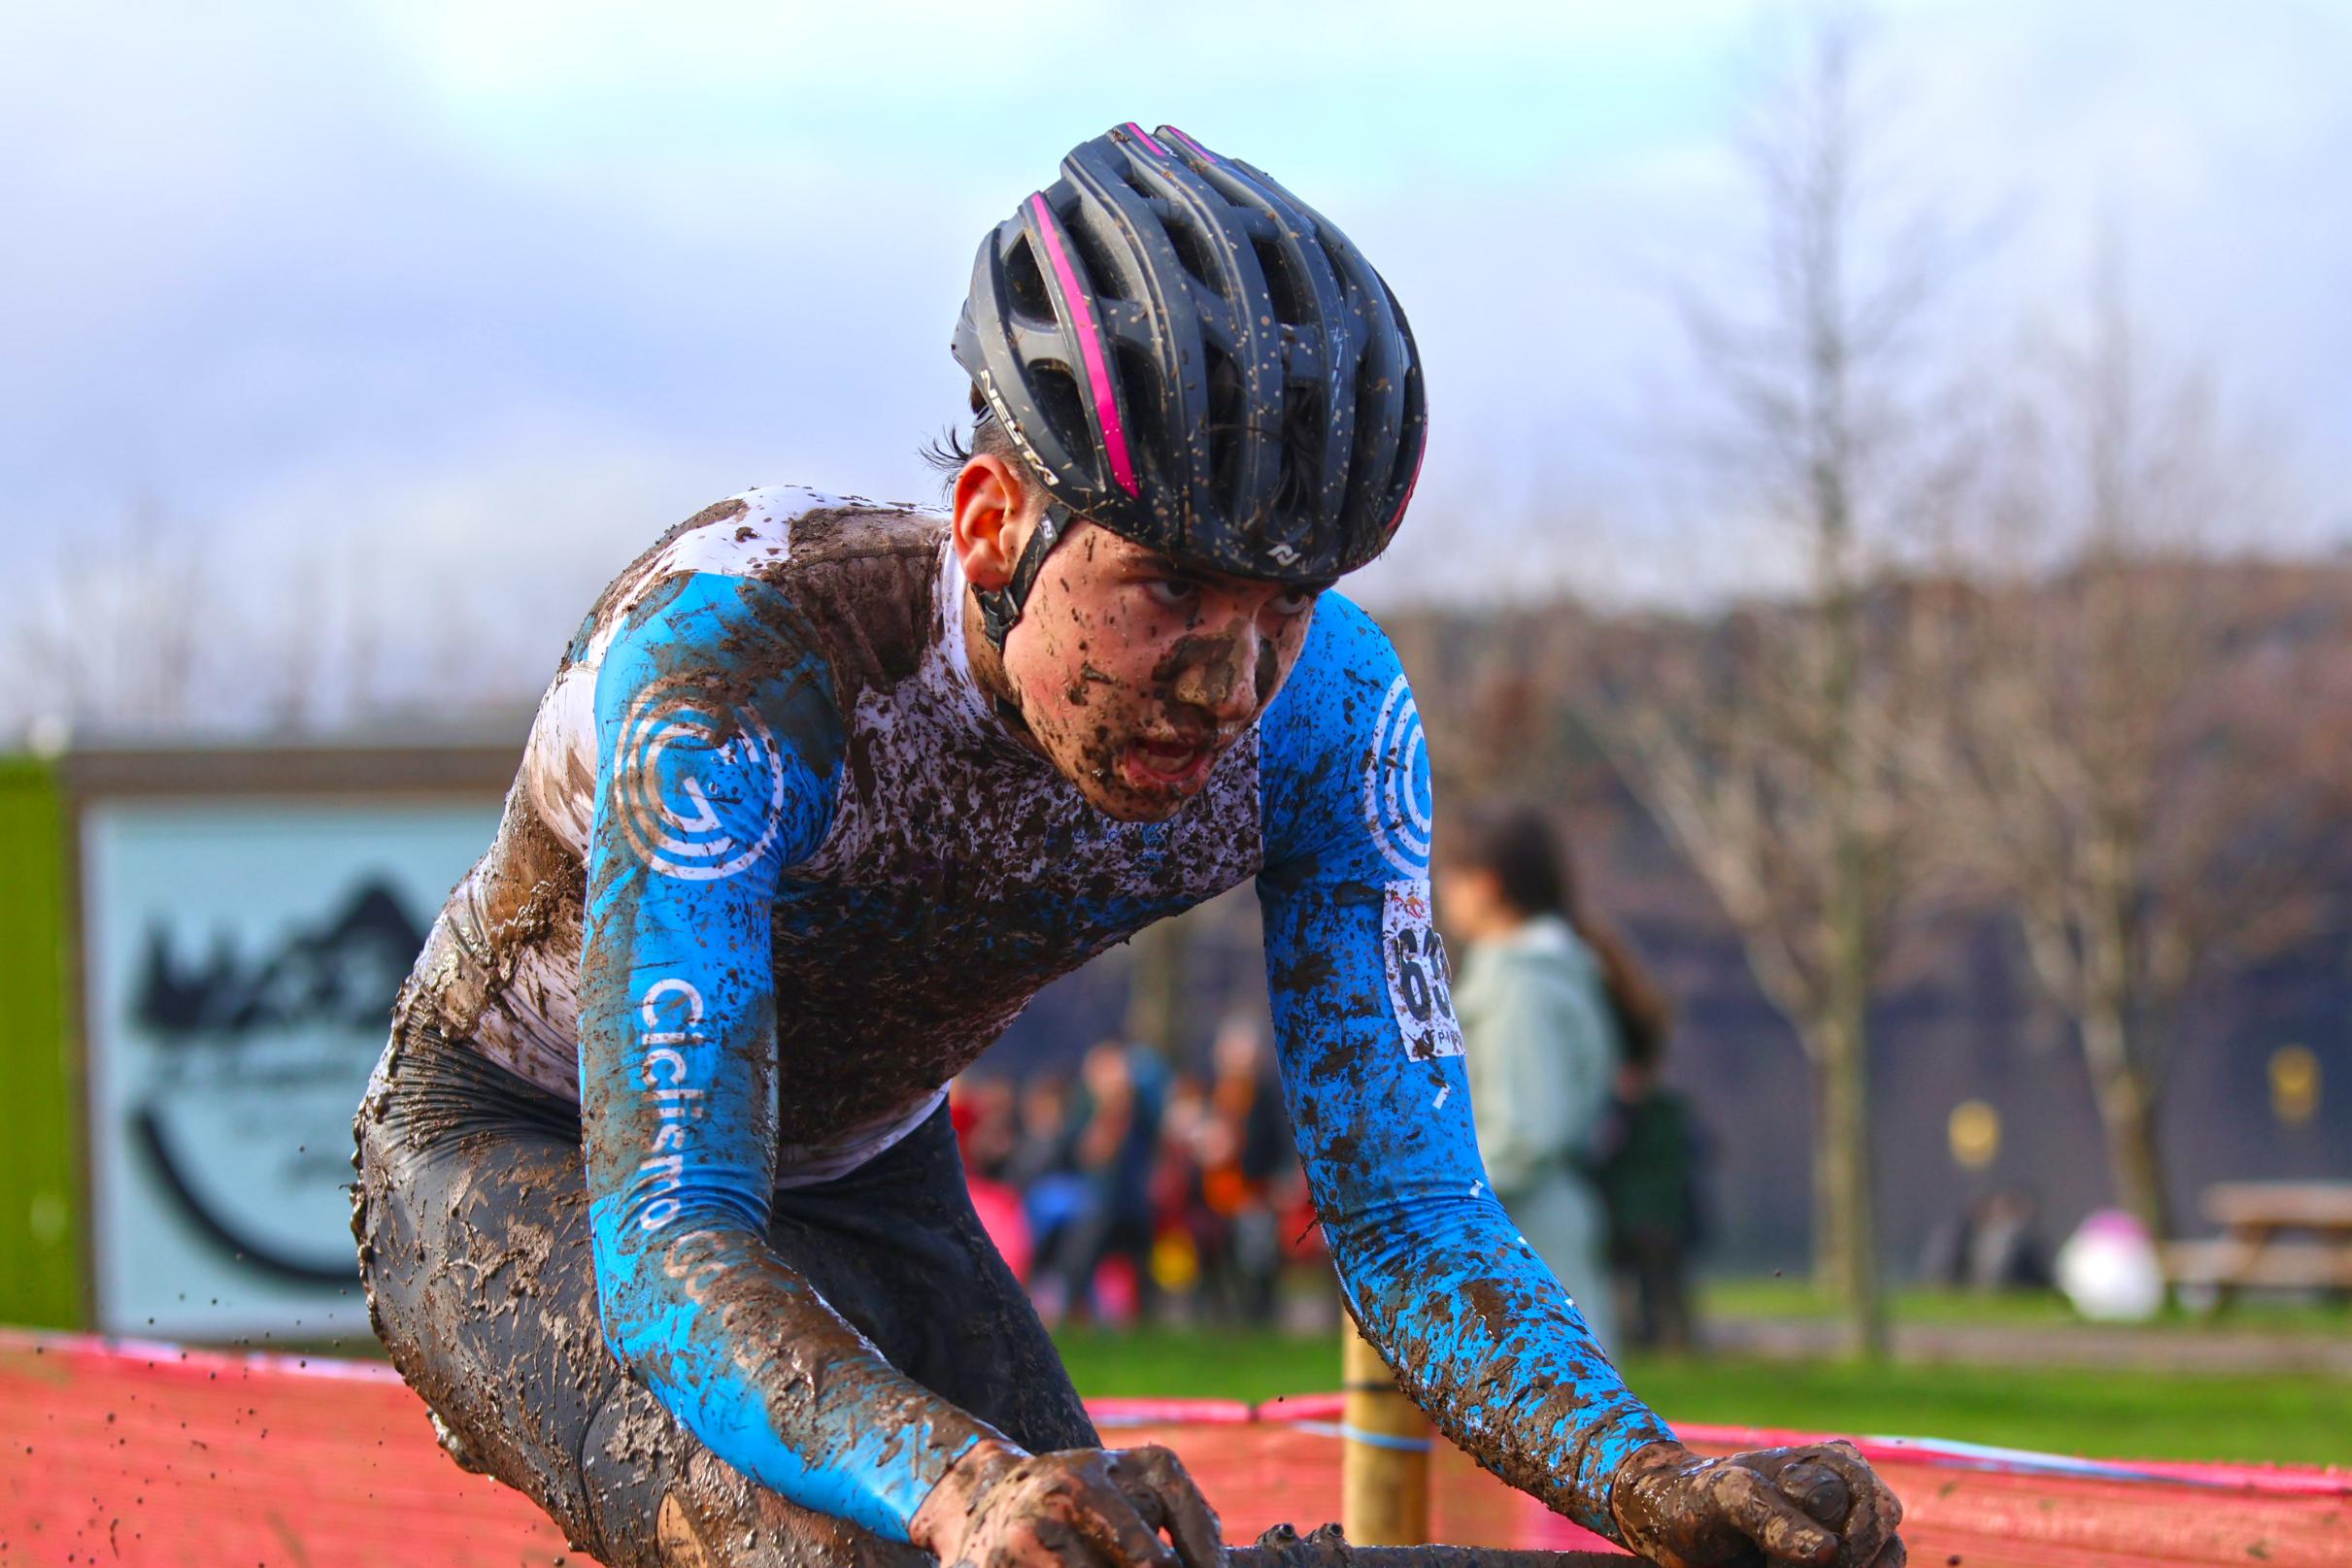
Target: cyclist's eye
{"points": [[1173, 591], [1295, 602]]}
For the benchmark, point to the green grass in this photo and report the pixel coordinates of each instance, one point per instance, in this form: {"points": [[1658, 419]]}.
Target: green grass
{"points": [[1254, 1365], [2072, 1409], [2123, 1414], [1795, 1298]]}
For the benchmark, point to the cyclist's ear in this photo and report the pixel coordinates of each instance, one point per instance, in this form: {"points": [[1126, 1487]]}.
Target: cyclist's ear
{"points": [[995, 509]]}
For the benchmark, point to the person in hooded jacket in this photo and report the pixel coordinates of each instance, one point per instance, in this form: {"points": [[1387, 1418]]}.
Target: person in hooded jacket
{"points": [[1549, 1002]]}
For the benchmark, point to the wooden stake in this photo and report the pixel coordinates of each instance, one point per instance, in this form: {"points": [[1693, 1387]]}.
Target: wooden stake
{"points": [[1384, 1466]]}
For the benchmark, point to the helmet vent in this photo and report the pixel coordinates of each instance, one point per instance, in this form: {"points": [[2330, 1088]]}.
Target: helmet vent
{"points": [[1228, 408], [1335, 252], [1302, 430], [1289, 305], [1193, 253], [1024, 281], [1366, 480], [1095, 269], [1135, 181], [1143, 397], [1056, 391]]}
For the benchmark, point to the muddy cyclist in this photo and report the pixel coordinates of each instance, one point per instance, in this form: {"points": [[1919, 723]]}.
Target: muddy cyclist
{"points": [[659, 1205]]}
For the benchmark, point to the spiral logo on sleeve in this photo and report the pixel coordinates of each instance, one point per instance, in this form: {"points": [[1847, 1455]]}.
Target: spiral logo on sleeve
{"points": [[1398, 805], [699, 786]]}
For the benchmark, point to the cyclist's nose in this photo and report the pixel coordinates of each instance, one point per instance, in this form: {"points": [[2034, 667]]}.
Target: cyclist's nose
{"points": [[1221, 676]]}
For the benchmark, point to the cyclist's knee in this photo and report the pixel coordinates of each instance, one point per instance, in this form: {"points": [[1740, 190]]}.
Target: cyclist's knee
{"points": [[659, 1499], [632, 1462], [454, 1444], [682, 1544]]}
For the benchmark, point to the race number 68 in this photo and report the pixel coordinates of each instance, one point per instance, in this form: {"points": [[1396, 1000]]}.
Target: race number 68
{"points": [[1421, 988]]}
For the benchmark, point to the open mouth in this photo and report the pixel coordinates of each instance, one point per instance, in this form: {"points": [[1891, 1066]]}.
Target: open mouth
{"points": [[1168, 764]]}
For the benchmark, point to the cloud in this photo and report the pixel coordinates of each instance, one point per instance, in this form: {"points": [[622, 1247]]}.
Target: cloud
{"points": [[323, 275]]}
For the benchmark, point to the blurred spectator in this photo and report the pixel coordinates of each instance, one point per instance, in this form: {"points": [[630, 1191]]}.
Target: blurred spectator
{"points": [[988, 1123], [988, 1127], [1117, 1137], [1245, 1152], [1994, 1244], [1043, 1170], [1130, 1183], [1178, 1212], [1043, 1148], [1647, 1168], [1546, 997]]}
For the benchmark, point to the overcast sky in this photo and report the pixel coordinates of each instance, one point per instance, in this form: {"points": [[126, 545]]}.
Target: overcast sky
{"points": [[447, 307]]}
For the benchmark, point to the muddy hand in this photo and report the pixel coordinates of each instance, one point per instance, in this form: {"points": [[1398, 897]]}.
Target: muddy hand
{"points": [[1087, 1507], [1820, 1505]]}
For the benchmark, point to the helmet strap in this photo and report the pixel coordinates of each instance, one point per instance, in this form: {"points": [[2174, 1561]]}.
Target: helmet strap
{"points": [[1000, 607]]}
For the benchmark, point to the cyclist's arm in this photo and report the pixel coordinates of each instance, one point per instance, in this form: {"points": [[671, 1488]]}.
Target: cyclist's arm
{"points": [[1478, 1330], [718, 745]]}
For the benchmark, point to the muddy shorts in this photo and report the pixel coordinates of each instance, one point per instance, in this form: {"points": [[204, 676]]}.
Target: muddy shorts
{"points": [[471, 1215]]}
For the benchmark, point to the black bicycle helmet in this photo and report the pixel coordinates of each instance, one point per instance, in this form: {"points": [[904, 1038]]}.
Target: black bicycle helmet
{"points": [[1197, 360]]}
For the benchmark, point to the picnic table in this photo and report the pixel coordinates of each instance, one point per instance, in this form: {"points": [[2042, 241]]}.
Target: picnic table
{"points": [[2275, 1236]]}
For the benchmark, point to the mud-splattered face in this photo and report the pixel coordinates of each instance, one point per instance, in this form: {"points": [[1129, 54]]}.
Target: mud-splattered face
{"points": [[1134, 673]]}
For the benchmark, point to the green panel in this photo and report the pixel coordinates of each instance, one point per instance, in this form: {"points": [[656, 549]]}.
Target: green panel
{"points": [[41, 1237]]}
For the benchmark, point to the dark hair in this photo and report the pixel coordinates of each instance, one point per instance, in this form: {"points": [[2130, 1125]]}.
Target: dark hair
{"points": [[1537, 876], [951, 450]]}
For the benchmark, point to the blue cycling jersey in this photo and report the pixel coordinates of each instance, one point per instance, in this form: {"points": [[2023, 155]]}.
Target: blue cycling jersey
{"points": [[821, 875]]}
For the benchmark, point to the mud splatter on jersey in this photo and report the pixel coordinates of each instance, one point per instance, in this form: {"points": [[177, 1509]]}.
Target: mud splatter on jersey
{"points": [[773, 871]]}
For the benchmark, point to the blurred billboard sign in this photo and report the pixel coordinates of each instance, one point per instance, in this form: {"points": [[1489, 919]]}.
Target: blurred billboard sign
{"points": [[240, 955]]}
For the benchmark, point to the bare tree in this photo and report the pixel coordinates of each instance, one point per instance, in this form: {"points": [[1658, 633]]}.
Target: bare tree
{"points": [[110, 634], [2120, 763], [138, 627], [1159, 987], [1770, 748]]}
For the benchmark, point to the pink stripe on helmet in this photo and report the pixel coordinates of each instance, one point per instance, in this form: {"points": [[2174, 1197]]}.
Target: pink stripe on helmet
{"points": [[1146, 138], [1188, 142], [1089, 346]]}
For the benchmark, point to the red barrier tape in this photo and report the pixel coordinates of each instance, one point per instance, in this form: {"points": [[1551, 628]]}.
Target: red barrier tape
{"points": [[143, 1454]]}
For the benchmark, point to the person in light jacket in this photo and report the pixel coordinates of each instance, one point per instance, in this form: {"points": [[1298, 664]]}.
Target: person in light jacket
{"points": [[1547, 999]]}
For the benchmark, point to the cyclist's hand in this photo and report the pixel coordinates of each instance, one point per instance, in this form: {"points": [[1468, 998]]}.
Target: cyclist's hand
{"points": [[1820, 1505], [1087, 1508]]}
